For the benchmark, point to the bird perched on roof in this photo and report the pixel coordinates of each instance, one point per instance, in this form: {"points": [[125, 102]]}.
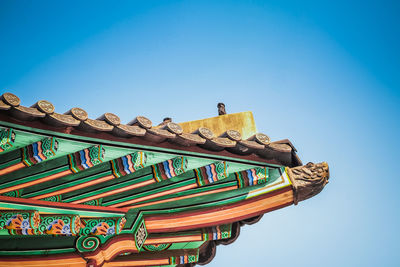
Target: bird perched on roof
{"points": [[221, 109]]}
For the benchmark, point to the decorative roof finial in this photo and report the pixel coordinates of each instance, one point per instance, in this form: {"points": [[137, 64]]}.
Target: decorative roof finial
{"points": [[221, 109], [308, 180]]}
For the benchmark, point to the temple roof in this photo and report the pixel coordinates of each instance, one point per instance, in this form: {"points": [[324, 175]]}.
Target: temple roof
{"points": [[96, 192], [229, 135]]}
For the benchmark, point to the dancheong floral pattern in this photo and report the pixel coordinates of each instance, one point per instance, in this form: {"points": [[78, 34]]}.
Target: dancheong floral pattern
{"points": [[17, 222], [103, 228], [24, 222], [7, 138], [58, 227]]}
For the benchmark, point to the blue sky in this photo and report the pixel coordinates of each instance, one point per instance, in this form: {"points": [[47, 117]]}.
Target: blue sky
{"points": [[323, 74]]}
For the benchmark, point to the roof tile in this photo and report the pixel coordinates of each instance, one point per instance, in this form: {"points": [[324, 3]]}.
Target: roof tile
{"points": [[231, 140]]}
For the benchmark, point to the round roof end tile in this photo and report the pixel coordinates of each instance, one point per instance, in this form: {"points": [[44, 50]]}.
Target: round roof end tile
{"points": [[11, 99], [79, 114], [262, 139], [206, 133], [144, 122], [112, 119], [234, 135], [174, 128], [45, 106]]}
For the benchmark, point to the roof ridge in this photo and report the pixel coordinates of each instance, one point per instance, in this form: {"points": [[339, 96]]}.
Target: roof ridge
{"points": [[141, 127]]}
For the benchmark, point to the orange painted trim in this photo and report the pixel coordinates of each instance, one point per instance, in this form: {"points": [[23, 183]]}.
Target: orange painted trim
{"points": [[116, 191], [40, 262], [76, 187], [113, 250], [38, 181], [221, 207], [62, 205], [229, 213], [184, 197], [12, 168], [173, 239], [137, 263], [160, 194]]}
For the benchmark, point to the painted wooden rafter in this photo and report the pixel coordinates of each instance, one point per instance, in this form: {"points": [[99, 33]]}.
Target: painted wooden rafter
{"points": [[159, 172], [118, 168], [201, 176], [42, 150], [204, 178], [33, 154]]}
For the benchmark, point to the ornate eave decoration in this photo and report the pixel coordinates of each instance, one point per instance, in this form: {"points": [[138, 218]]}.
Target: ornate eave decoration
{"points": [[96, 192]]}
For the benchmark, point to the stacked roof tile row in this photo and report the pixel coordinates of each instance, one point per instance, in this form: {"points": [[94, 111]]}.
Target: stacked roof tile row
{"points": [[77, 118]]}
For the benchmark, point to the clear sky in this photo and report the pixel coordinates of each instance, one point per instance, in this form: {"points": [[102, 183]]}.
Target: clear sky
{"points": [[323, 74]]}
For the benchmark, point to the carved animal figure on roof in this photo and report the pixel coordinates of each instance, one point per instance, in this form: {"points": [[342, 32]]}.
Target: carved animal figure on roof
{"points": [[308, 180], [221, 109]]}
